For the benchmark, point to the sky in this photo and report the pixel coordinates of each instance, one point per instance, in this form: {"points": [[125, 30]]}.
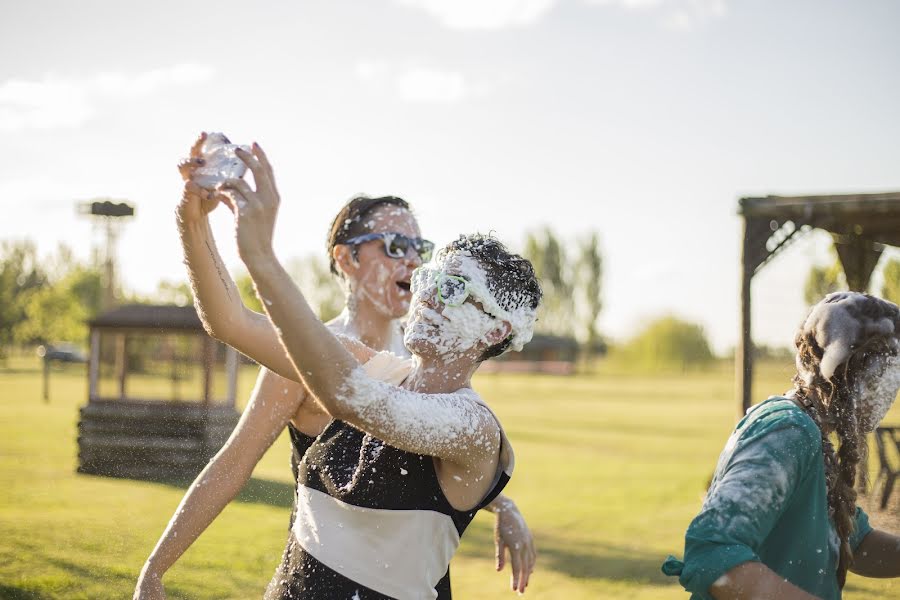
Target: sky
{"points": [[642, 120]]}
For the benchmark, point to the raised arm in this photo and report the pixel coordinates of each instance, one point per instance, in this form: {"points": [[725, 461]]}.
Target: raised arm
{"points": [[273, 402], [217, 299], [449, 426]]}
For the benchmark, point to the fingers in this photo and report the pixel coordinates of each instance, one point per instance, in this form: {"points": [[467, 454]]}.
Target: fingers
{"points": [[187, 167], [249, 159], [195, 149], [263, 160], [500, 554], [516, 562], [245, 193]]}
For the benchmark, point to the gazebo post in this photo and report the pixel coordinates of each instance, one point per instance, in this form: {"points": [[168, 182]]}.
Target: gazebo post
{"points": [[94, 366], [744, 350], [231, 368], [858, 257], [121, 362], [207, 369]]}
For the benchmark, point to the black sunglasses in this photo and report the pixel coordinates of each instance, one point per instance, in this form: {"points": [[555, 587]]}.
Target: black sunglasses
{"points": [[396, 244]]}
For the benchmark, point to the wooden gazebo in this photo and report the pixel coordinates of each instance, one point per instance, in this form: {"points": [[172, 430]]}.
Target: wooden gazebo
{"points": [[860, 224], [161, 394]]}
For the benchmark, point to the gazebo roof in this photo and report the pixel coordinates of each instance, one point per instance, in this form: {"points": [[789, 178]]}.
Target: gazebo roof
{"points": [[149, 316], [875, 217]]}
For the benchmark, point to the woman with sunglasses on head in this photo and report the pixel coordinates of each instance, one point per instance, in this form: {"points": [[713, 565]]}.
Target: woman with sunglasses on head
{"points": [[780, 518], [374, 244]]}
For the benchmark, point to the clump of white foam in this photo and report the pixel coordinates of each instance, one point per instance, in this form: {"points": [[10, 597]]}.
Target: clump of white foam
{"points": [[221, 162], [464, 325], [877, 391], [838, 326]]}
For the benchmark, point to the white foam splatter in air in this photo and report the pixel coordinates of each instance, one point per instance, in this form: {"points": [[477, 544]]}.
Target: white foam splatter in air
{"points": [[877, 392]]}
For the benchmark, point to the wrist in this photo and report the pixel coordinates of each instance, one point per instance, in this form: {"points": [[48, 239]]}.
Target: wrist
{"points": [[501, 504]]}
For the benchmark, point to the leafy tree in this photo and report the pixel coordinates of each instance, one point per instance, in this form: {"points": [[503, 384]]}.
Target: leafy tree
{"points": [[668, 342], [248, 292], [890, 289], [20, 276], [60, 309], [547, 254], [589, 273], [174, 292], [322, 289], [822, 281]]}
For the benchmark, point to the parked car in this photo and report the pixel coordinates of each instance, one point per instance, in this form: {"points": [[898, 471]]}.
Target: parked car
{"points": [[62, 352]]}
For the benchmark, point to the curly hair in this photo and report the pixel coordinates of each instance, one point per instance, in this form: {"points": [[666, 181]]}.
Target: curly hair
{"points": [[832, 404], [510, 277]]}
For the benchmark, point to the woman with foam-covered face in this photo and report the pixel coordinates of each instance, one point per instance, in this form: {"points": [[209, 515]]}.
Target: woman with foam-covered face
{"points": [[780, 518], [374, 246]]}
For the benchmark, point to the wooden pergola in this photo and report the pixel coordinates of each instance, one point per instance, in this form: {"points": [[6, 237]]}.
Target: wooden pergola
{"points": [[154, 410], [861, 225]]}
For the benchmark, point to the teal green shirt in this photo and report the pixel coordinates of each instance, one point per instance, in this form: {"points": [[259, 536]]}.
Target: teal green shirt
{"points": [[767, 502]]}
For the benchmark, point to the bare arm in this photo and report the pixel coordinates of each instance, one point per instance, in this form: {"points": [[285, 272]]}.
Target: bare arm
{"points": [[448, 426], [273, 402], [878, 555], [218, 301], [511, 533], [755, 581]]}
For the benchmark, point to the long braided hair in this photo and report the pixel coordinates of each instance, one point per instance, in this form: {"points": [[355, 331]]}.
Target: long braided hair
{"points": [[864, 331]]}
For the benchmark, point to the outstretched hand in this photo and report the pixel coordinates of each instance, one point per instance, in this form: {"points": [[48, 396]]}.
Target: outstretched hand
{"points": [[254, 210], [511, 534], [196, 202]]}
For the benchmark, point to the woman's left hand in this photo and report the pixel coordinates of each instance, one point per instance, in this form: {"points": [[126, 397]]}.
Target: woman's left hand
{"points": [[254, 210], [511, 534]]}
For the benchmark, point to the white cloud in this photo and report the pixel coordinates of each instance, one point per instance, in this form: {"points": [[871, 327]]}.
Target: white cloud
{"points": [[483, 14], [419, 84], [683, 15], [431, 85], [55, 102]]}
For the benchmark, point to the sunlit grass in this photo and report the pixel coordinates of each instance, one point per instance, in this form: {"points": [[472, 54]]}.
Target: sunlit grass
{"points": [[610, 469]]}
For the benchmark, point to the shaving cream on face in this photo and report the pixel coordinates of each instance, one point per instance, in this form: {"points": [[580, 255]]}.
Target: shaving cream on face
{"points": [[877, 391], [458, 328]]}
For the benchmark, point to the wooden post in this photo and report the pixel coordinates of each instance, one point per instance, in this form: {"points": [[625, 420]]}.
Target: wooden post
{"points": [[46, 380], [121, 362], [94, 366], [208, 360], [743, 354], [231, 368]]}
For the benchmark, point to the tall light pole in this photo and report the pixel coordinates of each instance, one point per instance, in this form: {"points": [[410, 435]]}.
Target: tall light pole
{"points": [[108, 214]]}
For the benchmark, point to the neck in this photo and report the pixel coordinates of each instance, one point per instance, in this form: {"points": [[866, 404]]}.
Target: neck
{"points": [[365, 323], [439, 376]]}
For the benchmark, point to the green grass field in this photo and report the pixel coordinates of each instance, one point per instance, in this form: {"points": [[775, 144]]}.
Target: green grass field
{"points": [[610, 471]]}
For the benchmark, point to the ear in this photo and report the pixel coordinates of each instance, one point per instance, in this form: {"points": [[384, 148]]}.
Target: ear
{"points": [[343, 258], [498, 333]]}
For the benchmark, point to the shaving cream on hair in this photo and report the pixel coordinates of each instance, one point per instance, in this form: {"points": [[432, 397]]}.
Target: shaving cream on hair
{"points": [[465, 322]]}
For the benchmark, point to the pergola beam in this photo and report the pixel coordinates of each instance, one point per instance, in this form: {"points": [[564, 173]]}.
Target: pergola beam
{"points": [[861, 225]]}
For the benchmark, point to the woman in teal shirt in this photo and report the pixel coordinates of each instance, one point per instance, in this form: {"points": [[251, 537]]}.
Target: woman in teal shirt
{"points": [[780, 519]]}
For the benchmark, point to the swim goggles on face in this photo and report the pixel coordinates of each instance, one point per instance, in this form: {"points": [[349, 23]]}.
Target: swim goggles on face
{"points": [[452, 290], [396, 245]]}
